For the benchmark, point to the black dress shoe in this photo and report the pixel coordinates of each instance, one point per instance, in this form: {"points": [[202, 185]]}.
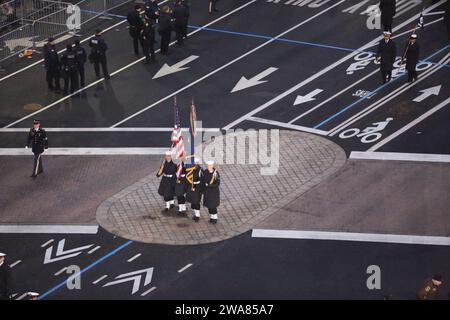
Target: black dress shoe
{"points": [[33, 176], [214, 221], [172, 206], [196, 219]]}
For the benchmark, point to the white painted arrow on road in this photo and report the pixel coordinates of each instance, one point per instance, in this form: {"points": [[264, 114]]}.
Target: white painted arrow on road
{"points": [[135, 276], [245, 83], [61, 254], [307, 98], [179, 66], [427, 93]]}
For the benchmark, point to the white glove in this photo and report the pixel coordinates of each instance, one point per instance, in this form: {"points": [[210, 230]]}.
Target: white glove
{"points": [[26, 147]]}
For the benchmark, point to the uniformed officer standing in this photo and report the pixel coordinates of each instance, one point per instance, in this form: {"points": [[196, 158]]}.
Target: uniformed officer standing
{"points": [[388, 10], [152, 10], [194, 191], [51, 63], [98, 54], [5, 278], [185, 3], [180, 191], [136, 24], [447, 19], [412, 57], [430, 288], [212, 6], [69, 65], [168, 171], [81, 58], [37, 137], [180, 15], [386, 55], [165, 29], [211, 196], [148, 39]]}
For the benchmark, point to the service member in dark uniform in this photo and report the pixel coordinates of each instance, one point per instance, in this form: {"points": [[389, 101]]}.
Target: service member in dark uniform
{"points": [[180, 15], [167, 171], [37, 137], [412, 57], [388, 10], [447, 19], [188, 13], [69, 67], [81, 58], [211, 191], [194, 191], [165, 29], [98, 54], [386, 55], [152, 10], [212, 6], [51, 63], [148, 39], [180, 191], [430, 288], [136, 24], [5, 278]]}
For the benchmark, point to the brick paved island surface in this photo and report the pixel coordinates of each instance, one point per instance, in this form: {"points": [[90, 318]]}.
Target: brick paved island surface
{"points": [[247, 197]]}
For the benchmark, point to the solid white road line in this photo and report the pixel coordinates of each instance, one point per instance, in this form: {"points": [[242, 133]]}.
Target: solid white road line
{"points": [[185, 267], [93, 250], [228, 64], [349, 236], [85, 151], [108, 129], [397, 156], [100, 279], [22, 296], [123, 68], [390, 96], [325, 70], [410, 125], [148, 291], [12, 265], [287, 125], [134, 257], [47, 243], [75, 229]]}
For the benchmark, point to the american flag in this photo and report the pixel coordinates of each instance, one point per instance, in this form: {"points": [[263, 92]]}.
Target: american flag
{"points": [[177, 141]]}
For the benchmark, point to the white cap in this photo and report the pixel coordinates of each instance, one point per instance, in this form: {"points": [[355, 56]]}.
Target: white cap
{"points": [[386, 33], [197, 160], [32, 294], [168, 153], [414, 36], [2, 254], [210, 162]]}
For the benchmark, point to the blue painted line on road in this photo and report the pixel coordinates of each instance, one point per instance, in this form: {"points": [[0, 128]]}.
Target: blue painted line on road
{"points": [[62, 284], [373, 92]]}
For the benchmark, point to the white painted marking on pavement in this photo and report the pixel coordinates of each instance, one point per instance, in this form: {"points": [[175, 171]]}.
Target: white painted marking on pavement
{"points": [[324, 71], [185, 268], [148, 291], [177, 67], [100, 279], [245, 83], [287, 125], [84, 152], [108, 129], [47, 243], [410, 125], [134, 257], [398, 156], [227, 64], [60, 271], [76, 229], [93, 250], [349, 236], [426, 93], [12, 265], [22, 296], [307, 98]]}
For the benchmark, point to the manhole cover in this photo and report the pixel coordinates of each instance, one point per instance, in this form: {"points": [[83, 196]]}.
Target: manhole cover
{"points": [[32, 106]]}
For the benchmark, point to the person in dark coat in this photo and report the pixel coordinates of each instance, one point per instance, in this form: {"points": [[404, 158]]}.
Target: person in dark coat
{"points": [[180, 191], [194, 191], [51, 63], [165, 29], [167, 171], [429, 290], [211, 191], [186, 4], [386, 55], [98, 54], [37, 137], [180, 15], [388, 11], [412, 57], [81, 58], [152, 10], [5, 278], [148, 40], [69, 67], [136, 24]]}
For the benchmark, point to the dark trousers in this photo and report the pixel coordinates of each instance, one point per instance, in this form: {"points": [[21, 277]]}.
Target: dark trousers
{"points": [[81, 75], [181, 199], [212, 5], [38, 166], [185, 29], [180, 31], [195, 206], [101, 61], [412, 75], [71, 80], [136, 41], [386, 75], [165, 41], [149, 51], [52, 77], [168, 198]]}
